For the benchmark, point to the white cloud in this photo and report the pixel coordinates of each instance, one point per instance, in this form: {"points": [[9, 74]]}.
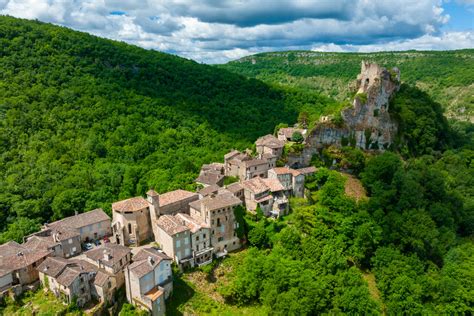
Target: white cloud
{"points": [[219, 30]]}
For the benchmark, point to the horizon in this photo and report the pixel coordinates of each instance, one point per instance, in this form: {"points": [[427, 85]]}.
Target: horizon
{"points": [[215, 33]]}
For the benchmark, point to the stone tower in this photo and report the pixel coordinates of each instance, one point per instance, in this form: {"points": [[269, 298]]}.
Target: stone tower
{"points": [[154, 199]]}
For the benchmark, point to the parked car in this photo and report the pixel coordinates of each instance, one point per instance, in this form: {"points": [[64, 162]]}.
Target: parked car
{"points": [[97, 242], [106, 239], [88, 246]]}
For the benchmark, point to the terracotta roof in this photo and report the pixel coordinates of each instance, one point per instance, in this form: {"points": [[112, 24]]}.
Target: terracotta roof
{"points": [[14, 256], [154, 294], [175, 196], [263, 199], [282, 170], [307, 170], [295, 172], [215, 166], [171, 225], [209, 190], [193, 224], [231, 154], [130, 205], [115, 253], [80, 220], [274, 185], [209, 178], [101, 278], [256, 185], [53, 266], [235, 187], [141, 264], [40, 242], [217, 201], [255, 162], [270, 141]]}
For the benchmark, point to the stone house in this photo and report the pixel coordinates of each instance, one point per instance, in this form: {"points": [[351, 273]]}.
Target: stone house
{"points": [[60, 241], [131, 223], [217, 211], [112, 258], [216, 167], [237, 190], [207, 178], [280, 200], [286, 133], [257, 194], [90, 225], [174, 202], [232, 162], [149, 280], [249, 169], [76, 279], [200, 234], [269, 144], [18, 264], [175, 239], [6, 280], [291, 179], [212, 189]]}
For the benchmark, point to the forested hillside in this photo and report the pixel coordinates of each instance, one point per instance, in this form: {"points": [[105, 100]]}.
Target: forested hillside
{"points": [[85, 121], [447, 77]]}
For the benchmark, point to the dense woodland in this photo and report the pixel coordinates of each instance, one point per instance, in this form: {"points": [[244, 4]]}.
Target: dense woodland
{"points": [[447, 76], [86, 121]]}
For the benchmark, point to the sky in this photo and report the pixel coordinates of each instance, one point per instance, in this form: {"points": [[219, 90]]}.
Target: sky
{"points": [[216, 31]]}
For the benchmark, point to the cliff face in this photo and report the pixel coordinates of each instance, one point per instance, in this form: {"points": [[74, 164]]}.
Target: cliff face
{"points": [[367, 123]]}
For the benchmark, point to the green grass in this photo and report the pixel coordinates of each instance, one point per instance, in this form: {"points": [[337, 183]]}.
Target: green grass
{"points": [[197, 292], [37, 303]]}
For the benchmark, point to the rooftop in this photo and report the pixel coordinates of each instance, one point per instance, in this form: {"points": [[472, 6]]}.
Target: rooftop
{"points": [[270, 141], [274, 185], [65, 271], [130, 205], [175, 196], [14, 256], [288, 131], [255, 162], [234, 187], [193, 224], [81, 220], [256, 185], [171, 225], [146, 260], [307, 170], [115, 253], [209, 190], [209, 178], [213, 202]]}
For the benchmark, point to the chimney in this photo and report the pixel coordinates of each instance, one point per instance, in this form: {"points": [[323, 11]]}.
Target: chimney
{"points": [[107, 255], [151, 261]]}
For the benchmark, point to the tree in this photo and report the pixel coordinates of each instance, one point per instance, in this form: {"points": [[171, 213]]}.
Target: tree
{"points": [[297, 137]]}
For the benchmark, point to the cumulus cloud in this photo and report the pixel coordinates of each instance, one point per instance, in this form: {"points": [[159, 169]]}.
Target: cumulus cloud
{"points": [[220, 30]]}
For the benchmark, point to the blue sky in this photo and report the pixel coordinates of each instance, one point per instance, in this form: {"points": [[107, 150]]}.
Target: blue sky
{"points": [[216, 31]]}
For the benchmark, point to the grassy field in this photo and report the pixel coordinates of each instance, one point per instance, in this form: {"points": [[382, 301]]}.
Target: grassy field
{"points": [[37, 303], [197, 292]]}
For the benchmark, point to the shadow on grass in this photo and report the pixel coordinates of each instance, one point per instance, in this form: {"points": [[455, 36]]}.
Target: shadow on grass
{"points": [[182, 293]]}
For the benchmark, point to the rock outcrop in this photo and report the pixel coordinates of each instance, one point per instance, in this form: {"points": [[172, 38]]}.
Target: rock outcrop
{"points": [[366, 123]]}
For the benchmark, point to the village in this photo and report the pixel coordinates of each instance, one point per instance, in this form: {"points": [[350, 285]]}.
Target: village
{"points": [[86, 258]]}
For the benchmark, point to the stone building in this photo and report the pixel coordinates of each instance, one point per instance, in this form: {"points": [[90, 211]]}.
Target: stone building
{"points": [[174, 202], [217, 211], [175, 239], [257, 195], [291, 179], [149, 280], [131, 223], [112, 258], [269, 144], [60, 241], [18, 264], [232, 162], [249, 169], [200, 235], [286, 133]]}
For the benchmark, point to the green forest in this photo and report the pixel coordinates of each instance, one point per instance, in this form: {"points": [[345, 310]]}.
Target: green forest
{"points": [[86, 121], [446, 76]]}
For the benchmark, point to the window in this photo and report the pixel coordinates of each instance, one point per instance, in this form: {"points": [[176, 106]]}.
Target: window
{"points": [[220, 239], [70, 241], [187, 252], [109, 284], [197, 238], [178, 243], [218, 222], [204, 236], [186, 241], [129, 228], [197, 247], [73, 249]]}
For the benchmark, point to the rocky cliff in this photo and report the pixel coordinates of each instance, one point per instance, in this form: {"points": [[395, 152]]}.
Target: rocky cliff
{"points": [[366, 123]]}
